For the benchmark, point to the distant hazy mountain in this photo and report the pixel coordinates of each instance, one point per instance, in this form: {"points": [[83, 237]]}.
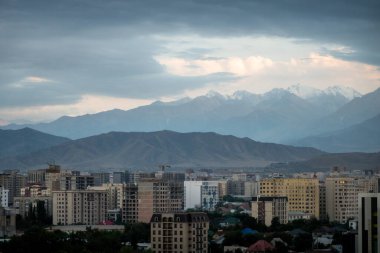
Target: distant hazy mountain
{"points": [[26, 140], [328, 100], [356, 111], [277, 116], [327, 161], [121, 150], [310, 92], [364, 137]]}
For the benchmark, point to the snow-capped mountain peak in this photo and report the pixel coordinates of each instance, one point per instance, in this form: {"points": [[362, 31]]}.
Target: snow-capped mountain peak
{"points": [[346, 92], [213, 93], [241, 95], [304, 91]]}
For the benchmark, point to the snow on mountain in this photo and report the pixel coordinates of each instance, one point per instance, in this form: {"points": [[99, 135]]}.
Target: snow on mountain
{"points": [[307, 92], [242, 95], [304, 91], [344, 91], [212, 94]]}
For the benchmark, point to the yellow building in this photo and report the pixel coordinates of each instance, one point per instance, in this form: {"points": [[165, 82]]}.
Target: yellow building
{"points": [[342, 197], [302, 193]]}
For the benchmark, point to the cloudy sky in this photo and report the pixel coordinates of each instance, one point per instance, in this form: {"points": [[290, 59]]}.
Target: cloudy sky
{"points": [[72, 57]]}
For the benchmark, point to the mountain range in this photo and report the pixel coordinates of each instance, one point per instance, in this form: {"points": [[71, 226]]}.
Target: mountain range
{"points": [[26, 140], [331, 120], [147, 150]]}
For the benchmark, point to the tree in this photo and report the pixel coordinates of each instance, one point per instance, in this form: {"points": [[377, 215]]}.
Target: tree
{"points": [[303, 242]]}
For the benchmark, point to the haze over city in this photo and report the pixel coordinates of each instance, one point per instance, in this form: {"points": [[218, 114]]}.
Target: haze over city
{"points": [[80, 57]]}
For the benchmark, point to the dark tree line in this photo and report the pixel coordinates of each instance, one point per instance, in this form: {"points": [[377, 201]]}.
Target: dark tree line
{"points": [[37, 239]]}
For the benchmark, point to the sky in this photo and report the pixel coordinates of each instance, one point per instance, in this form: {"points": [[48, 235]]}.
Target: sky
{"points": [[73, 57]]}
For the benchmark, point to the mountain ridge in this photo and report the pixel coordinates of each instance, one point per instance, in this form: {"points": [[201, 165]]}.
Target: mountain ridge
{"points": [[139, 149]]}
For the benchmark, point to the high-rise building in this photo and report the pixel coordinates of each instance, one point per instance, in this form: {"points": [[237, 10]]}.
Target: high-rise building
{"points": [[130, 203], [4, 195], [342, 197], [25, 204], [101, 178], [369, 220], [251, 188], [36, 177], [302, 193], [76, 182], [322, 200], [157, 196], [236, 187], [201, 195], [264, 209], [179, 232], [12, 181], [79, 207]]}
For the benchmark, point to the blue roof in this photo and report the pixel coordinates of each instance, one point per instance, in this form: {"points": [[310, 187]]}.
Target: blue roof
{"points": [[248, 231]]}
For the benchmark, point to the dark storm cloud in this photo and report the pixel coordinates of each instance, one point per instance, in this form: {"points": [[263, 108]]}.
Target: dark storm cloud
{"points": [[107, 47]]}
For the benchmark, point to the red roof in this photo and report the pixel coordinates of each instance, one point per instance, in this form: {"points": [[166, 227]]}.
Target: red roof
{"points": [[260, 246]]}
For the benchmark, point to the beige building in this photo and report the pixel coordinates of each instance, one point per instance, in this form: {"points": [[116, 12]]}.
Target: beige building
{"points": [[79, 207], [342, 197], [129, 209], [24, 203], [179, 232], [264, 209], [34, 191], [157, 196], [222, 188], [302, 193]]}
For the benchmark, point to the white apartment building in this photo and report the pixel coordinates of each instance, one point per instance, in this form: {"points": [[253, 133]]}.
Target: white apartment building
{"points": [[4, 195], [201, 194]]}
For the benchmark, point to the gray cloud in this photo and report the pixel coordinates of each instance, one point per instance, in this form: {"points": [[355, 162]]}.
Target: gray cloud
{"points": [[106, 47]]}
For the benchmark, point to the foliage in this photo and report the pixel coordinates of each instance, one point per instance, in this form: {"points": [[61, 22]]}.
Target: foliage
{"points": [[303, 242], [37, 239], [37, 216]]}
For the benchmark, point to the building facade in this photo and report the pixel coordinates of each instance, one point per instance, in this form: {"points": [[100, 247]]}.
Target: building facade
{"points": [[179, 232], [79, 207], [158, 196], [369, 220], [201, 195], [342, 197], [4, 195], [302, 193], [264, 209]]}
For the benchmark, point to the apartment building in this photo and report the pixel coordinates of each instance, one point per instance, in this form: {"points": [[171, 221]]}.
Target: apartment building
{"points": [[179, 232], [342, 196], [76, 182], [79, 207], [264, 209], [34, 191], [4, 193], [158, 196], [12, 181], [322, 200], [129, 211], [369, 220], [302, 193], [201, 195], [24, 204]]}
